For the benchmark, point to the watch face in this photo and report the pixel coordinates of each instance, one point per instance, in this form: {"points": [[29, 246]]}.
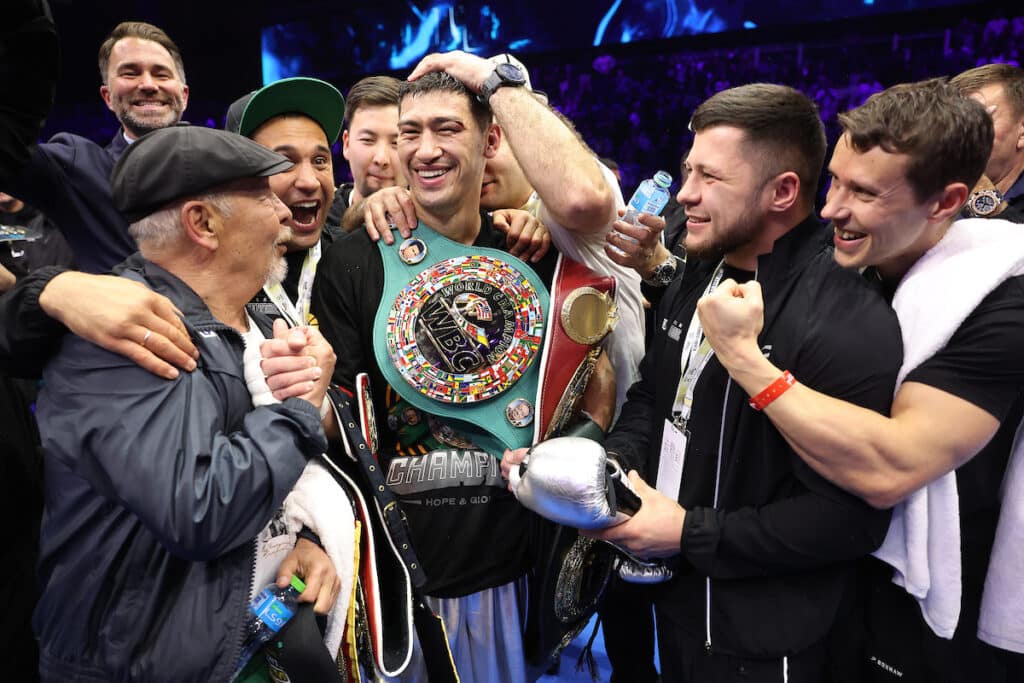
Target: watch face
{"points": [[984, 203], [510, 73]]}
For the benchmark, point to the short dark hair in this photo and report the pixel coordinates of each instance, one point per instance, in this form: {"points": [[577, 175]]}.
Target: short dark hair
{"points": [[142, 31], [1009, 76], [947, 135], [372, 91], [780, 120], [442, 81]]}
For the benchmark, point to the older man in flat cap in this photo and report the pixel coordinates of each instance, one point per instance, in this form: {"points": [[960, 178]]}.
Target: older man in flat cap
{"points": [[156, 490]]}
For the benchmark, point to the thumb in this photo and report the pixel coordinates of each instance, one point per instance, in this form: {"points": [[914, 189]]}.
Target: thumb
{"points": [[289, 566], [280, 329], [727, 288], [297, 339], [639, 485], [751, 291]]}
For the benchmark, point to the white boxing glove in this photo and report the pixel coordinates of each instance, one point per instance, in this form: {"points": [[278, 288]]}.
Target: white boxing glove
{"points": [[571, 481]]}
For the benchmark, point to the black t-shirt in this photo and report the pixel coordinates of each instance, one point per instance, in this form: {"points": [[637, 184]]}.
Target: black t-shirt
{"points": [[983, 363], [469, 532]]}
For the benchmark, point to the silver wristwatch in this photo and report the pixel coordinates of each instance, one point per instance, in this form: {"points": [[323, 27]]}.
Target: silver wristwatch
{"points": [[663, 273]]}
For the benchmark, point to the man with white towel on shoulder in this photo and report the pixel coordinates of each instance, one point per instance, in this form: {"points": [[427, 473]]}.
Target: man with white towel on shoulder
{"points": [[946, 458]]}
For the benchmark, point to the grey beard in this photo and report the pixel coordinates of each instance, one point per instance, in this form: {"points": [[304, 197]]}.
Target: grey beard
{"points": [[139, 127], [277, 271]]}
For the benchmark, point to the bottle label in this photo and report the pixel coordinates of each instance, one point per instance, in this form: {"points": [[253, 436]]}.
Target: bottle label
{"points": [[269, 609], [641, 199]]}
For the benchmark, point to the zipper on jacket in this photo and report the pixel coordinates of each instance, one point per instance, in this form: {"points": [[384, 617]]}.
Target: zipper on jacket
{"points": [[249, 595], [714, 504]]}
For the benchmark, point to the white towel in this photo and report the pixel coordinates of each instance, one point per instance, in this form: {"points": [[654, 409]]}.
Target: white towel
{"points": [[934, 298], [1002, 604], [319, 503]]}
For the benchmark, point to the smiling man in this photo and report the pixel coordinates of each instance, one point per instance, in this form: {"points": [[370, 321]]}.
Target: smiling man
{"points": [[901, 172], [763, 547], [299, 118], [67, 178], [431, 362], [370, 139]]}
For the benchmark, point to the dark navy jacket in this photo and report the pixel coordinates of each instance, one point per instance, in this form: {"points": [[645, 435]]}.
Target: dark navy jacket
{"points": [[155, 490], [68, 179]]}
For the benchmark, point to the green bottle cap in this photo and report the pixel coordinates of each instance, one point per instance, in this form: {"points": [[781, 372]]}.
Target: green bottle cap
{"points": [[298, 584]]}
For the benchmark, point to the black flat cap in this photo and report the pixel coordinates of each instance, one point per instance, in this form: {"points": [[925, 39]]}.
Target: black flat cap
{"points": [[182, 161]]}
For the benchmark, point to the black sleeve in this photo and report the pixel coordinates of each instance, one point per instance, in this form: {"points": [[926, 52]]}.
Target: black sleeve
{"points": [[29, 64], [983, 362], [636, 435], [630, 440], [28, 337]]}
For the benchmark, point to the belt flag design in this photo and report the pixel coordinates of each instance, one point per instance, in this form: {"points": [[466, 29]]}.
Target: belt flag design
{"points": [[465, 329]]}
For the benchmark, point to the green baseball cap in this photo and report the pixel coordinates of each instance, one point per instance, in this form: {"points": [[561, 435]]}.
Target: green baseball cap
{"points": [[319, 100]]}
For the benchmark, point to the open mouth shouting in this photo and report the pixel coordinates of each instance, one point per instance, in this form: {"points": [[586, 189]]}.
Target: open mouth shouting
{"points": [[305, 215]]}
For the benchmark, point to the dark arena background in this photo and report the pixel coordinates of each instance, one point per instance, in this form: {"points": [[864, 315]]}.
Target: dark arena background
{"points": [[628, 72]]}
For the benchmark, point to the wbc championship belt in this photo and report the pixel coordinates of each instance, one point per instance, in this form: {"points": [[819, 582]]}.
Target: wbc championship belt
{"points": [[458, 334], [468, 334]]}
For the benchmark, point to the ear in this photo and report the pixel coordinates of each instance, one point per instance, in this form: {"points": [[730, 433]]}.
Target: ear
{"points": [[949, 202], [202, 224], [1020, 134], [105, 94], [344, 143], [184, 97], [785, 191], [492, 141]]}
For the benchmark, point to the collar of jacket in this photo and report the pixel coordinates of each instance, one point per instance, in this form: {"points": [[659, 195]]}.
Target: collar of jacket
{"points": [[118, 144], [776, 270], [790, 253]]}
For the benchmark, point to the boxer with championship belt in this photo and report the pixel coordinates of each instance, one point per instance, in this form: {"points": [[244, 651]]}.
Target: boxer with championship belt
{"points": [[469, 532]]}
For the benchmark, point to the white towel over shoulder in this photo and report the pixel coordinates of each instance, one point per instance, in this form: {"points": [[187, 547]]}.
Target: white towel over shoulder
{"points": [[934, 298]]}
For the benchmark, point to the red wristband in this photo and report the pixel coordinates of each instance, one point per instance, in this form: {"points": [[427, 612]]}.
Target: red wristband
{"points": [[773, 391]]}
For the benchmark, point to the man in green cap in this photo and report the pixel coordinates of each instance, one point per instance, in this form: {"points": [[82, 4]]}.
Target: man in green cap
{"points": [[299, 118]]}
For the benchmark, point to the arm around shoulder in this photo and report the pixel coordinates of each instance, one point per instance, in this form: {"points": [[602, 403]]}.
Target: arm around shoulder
{"points": [[28, 335]]}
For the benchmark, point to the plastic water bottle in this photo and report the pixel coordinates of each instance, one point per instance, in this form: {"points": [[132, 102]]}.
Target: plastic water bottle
{"points": [[269, 611], [650, 198]]}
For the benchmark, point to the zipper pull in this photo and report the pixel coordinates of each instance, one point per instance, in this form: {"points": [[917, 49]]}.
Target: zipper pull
{"points": [[707, 647]]}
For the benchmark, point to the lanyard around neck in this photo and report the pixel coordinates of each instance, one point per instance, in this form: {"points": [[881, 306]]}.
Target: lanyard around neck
{"points": [[297, 313]]}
